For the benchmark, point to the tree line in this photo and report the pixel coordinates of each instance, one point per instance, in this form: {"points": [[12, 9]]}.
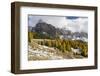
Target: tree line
{"points": [[63, 45]]}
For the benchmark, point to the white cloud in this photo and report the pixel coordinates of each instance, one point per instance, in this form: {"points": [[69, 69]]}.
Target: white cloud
{"points": [[54, 20], [78, 25], [75, 25]]}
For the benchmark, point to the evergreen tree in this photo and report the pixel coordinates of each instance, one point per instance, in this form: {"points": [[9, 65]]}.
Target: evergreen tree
{"points": [[30, 36]]}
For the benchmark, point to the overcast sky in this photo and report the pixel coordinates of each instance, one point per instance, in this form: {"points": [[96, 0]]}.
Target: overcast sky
{"points": [[73, 23]]}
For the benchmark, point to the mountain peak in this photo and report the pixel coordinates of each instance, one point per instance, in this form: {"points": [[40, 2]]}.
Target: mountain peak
{"points": [[40, 21]]}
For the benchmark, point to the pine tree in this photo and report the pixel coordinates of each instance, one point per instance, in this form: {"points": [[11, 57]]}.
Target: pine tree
{"points": [[49, 43], [64, 46], [30, 36]]}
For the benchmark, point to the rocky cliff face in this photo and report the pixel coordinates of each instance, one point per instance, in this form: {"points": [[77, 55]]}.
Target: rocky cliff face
{"points": [[51, 31], [45, 29]]}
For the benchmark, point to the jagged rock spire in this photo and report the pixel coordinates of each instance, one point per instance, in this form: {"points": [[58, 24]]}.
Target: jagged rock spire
{"points": [[40, 21]]}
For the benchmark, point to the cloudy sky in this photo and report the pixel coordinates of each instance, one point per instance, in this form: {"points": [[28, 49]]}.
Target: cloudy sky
{"points": [[73, 23]]}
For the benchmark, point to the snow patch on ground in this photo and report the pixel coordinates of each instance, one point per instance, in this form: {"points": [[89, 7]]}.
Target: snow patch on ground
{"points": [[43, 51]]}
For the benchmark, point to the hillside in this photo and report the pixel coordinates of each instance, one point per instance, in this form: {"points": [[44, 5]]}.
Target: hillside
{"points": [[39, 52]]}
